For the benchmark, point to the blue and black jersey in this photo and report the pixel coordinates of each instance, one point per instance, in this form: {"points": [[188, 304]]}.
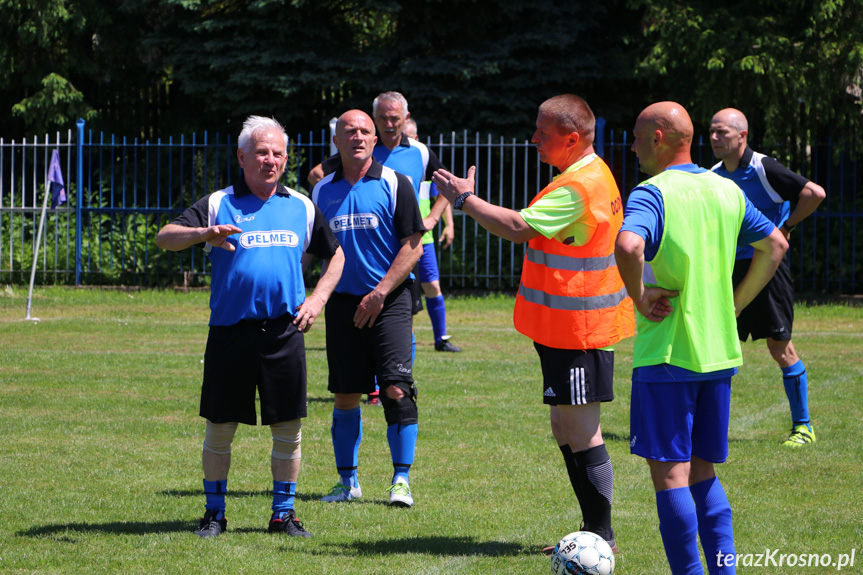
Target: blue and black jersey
{"points": [[370, 219], [263, 277], [769, 185]]}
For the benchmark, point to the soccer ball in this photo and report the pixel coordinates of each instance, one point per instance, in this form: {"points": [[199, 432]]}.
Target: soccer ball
{"points": [[582, 553]]}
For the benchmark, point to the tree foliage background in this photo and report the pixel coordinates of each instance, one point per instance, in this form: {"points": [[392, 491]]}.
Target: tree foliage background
{"points": [[165, 67]]}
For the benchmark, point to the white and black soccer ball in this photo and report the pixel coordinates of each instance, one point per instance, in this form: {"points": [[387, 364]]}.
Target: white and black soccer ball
{"points": [[582, 553]]}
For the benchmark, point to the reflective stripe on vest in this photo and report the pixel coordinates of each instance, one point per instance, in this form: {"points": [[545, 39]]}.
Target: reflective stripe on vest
{"points": [[572, 296], [570, 264], [566, 303]]}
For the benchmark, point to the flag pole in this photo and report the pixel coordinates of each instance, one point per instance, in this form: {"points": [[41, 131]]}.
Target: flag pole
{"points": [[36, 256]]}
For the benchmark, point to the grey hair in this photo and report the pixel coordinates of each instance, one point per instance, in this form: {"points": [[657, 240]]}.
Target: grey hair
{"points": [[256, 124], [413, 123], [390, 97]]}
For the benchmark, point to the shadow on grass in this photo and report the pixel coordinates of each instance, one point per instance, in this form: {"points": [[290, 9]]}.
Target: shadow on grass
{"points": [[235, 494], [62, 531], [441, 546]]}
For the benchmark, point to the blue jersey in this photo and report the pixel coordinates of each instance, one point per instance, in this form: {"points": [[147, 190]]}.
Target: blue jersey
{"points": [[411, 158], [644, 215], [767, 184], [369, 219], [263, 277]]}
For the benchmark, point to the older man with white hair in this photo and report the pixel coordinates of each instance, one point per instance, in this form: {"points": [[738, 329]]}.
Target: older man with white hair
{"points": [[259, 312]]}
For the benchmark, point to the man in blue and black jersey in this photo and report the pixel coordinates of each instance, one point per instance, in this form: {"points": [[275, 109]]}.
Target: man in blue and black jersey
{"points": [[405, 155], [412, 158], [771, 187], [256, 233], [375, 216]]}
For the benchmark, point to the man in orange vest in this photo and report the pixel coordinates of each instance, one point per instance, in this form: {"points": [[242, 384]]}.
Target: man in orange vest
{"points": [[571, 301]]}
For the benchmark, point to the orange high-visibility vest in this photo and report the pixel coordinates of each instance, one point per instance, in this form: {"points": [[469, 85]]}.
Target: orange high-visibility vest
{"points": [[572, 297]]}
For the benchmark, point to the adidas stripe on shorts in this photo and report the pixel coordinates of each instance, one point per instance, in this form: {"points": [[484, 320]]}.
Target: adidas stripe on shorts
{"points": [[576, 376]]}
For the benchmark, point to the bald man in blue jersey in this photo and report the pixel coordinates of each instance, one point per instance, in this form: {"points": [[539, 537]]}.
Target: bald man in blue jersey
{"points": [[374, 213], [395, 150], [771, 187]]}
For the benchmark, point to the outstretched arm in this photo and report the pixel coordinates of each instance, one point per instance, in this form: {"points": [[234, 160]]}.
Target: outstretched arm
{"points": [[502, 222], [175, 237]]}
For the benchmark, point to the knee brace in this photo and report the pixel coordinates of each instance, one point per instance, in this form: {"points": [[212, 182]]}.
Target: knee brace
{"points": [[287, 436], [404, 410], [219, 437]]}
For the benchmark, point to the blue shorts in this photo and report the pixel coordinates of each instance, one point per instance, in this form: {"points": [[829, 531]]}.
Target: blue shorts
{"points": [[675, 421], [427, 266]]}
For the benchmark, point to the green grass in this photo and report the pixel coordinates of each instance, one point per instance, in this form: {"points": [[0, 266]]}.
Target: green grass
{"points": [[101, 441]]}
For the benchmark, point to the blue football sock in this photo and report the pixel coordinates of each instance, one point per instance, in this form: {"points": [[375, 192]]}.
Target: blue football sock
{"points": [[797, 390], [437, 315], [215, 491], [714, 526], [413, 348], [678, 525], [403, 444], [283, 496], [347, 433]]}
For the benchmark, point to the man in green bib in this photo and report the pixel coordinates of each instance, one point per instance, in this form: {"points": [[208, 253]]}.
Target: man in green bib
{"points": [[678, 242]]}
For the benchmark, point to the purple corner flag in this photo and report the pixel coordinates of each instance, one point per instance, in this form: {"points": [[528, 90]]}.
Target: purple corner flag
{"points": [[55, 179]]}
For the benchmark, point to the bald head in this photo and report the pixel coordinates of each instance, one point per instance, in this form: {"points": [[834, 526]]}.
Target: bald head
{"points": [[728, 132], [731, 117], [355, 137], [672, 119], [663, 137], [352, 116]]}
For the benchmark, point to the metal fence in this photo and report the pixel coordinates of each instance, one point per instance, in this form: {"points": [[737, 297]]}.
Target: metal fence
{"points": [[123, 190]]}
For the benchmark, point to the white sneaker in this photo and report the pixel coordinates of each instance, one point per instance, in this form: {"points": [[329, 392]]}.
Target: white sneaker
{"points": [[341, 492], [400, 494]]}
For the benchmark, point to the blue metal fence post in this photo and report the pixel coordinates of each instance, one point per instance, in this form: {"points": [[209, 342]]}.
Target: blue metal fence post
{"points": [[79, 197], [599, 137]]}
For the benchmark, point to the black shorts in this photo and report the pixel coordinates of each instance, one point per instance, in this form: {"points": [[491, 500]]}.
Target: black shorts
{"points": [[576, 376], [267, 355], [771, 313], [357, 356]]}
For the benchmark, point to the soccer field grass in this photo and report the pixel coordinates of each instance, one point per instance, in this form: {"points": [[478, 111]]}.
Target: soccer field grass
{"points": [[101, 443]]}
